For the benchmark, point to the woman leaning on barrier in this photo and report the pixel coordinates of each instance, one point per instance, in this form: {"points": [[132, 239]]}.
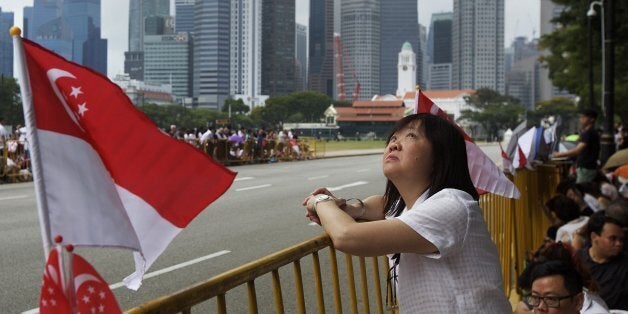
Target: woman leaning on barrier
{"points": [[428, 219]]}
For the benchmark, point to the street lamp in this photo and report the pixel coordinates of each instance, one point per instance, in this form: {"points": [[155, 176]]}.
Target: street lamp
{"points": [[590, 14]]}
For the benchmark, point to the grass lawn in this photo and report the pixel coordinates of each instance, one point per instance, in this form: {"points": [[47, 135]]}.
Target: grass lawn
{"points": [[346, 145]]}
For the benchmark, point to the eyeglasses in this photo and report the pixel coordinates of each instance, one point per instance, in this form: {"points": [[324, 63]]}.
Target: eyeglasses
{"points": [[550, 301]]}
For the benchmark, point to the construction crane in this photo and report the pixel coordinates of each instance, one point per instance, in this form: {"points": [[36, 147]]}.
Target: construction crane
{"points": [[340, 74]]}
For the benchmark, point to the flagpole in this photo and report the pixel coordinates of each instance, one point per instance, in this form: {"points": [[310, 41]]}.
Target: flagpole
{"points": [[29, 117], [71, 293]]}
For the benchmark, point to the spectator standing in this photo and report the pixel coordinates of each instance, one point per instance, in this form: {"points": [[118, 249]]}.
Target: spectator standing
{"points": [[588, 149]]}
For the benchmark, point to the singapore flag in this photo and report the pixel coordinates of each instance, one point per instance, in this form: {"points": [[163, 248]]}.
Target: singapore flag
{"points": [[105, 175]]}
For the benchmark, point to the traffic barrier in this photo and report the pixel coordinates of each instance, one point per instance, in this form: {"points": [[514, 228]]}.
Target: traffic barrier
{"points": [[517, 228]]}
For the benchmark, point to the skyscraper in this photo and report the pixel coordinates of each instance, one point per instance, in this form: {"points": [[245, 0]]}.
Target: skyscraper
{"points": [[212, 52], [399, 23], [549, 10], [301, 55], [167, 61], [278, 61], [360, 33], [184, 16], [321, 47], [83, 17], [157, 14], [136, 26], [6, 44], [439, 74], [246, 51], [478, 44], [43, 12]]}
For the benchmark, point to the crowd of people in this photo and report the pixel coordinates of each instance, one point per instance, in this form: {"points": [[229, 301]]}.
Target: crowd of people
{"points": [[583, 265], [14, 157]]}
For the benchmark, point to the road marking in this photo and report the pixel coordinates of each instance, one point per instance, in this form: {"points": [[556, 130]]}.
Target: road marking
{"points": [[13, 197], [318, 177], [159, 272], [362, 170], [243, 179], [340, 187], [253, 187], [313, 224]]}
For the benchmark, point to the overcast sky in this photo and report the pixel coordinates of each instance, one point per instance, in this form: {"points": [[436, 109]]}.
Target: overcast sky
{"points": [[521, 19]]}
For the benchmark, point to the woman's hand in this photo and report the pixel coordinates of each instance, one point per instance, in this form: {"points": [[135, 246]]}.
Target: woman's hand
{"points": [[308, 202]]}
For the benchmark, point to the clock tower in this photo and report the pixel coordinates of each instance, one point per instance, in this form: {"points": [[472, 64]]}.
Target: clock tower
{"points": [[406, 70]]}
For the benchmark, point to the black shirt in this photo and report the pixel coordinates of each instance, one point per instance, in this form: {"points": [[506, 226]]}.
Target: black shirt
{"points": [[588, 157], [612, 277]]}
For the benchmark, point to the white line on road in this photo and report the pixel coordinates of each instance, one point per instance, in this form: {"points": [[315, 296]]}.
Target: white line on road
{"points": [[340, 187], [362, 170], [243, 179], [318, 177], [159, 272], [13, 197], [253, 187]]}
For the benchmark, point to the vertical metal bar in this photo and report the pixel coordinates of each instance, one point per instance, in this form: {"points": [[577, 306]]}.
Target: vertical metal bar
{"points": [[378, 286], [365, 288], [221, 304], [320, 298], [277, 292], [389, 306], [298, 284], [335, 281], [252, 297], [351, 284]]}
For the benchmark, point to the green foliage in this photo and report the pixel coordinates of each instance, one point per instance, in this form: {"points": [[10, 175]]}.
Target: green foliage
{"points": [[237, 107], [561, 107], [338, 103], [279, 109], [10, 102], [568, 57], [182, 117], [493, 111]]}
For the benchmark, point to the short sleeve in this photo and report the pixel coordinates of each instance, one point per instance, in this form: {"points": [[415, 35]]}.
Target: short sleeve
{"points": [[442, 219], [585, 137]]}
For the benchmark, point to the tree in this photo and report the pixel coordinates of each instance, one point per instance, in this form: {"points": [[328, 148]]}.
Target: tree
{"points": [[237, 106], [10, 104], [562, 107], [493, 111], [568, 57], [297, 107]]}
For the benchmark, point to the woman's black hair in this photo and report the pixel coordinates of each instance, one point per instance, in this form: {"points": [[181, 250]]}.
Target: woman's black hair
{"points": [[449, 169], [565, 208]]}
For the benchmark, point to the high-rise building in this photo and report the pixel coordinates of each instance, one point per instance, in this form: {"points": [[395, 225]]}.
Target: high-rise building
{"points": [[439, 68], [145, 17], [42, 12], [83, 16], [321, 47], [45, 26], [95, 51], [478, 44], [301, 56], [168, 61], [136, 26], [278, 47], [399, 24], [212, 52], [246, 52], [422, 56], [522, 71], [360, 33], [549, 11], [184, 16], [6, 44]]}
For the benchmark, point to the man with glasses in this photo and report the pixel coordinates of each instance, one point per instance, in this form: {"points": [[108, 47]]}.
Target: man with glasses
{"points": [[556, 288]]}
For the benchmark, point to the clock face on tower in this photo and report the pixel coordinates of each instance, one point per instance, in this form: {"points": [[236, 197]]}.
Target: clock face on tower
{"points": [[404, 68]]}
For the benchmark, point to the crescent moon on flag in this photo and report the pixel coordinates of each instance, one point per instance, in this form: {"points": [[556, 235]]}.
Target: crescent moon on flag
{"points": [[53, 76], [83, 278]]}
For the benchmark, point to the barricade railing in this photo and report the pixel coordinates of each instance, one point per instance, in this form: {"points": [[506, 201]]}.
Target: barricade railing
{"points": [[517, 227], [217, 287]]}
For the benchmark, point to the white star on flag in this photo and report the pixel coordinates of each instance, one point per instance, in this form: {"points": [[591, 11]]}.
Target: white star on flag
{"points": [[82, 108], [76, 91]]}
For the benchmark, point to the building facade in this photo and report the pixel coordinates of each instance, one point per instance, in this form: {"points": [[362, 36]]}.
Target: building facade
{"points": [[301, 56], [211, 57], [406, 70], [360, 33], [439, 72], [83, 17], [168, 61], [246, 52], [278, 47], [184, 16], [478, 44], [6, 44], [321, 47], [399, 24], [153, 13]]}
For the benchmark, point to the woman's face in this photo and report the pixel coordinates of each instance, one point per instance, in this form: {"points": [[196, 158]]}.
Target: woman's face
{"points": [[408, 154]]}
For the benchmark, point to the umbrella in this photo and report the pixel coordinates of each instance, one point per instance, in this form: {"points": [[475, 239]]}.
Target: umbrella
{"points": [[619, 158]]}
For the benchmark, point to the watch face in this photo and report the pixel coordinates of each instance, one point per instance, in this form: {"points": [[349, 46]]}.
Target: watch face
{"points": [[323, 197]]}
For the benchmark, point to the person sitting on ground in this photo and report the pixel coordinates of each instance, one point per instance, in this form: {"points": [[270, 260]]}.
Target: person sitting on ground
{"points": [[605, 259], [557, 251], [429, 219]]}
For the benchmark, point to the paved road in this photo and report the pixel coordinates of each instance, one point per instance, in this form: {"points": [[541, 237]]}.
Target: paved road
{"points": [[259, 215]]}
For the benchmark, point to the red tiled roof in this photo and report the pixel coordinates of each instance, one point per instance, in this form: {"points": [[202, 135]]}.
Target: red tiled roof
{"points": [[368, 118], [451, 93], [369, 114], [378, 103]]}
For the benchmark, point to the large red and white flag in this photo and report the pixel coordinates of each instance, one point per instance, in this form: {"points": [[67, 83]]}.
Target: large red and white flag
{"points": [[52, 299], [104, 174], [486, 176]]}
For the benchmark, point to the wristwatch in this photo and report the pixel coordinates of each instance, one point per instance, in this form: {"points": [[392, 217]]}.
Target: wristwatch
{"points": [[321, 198]]}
